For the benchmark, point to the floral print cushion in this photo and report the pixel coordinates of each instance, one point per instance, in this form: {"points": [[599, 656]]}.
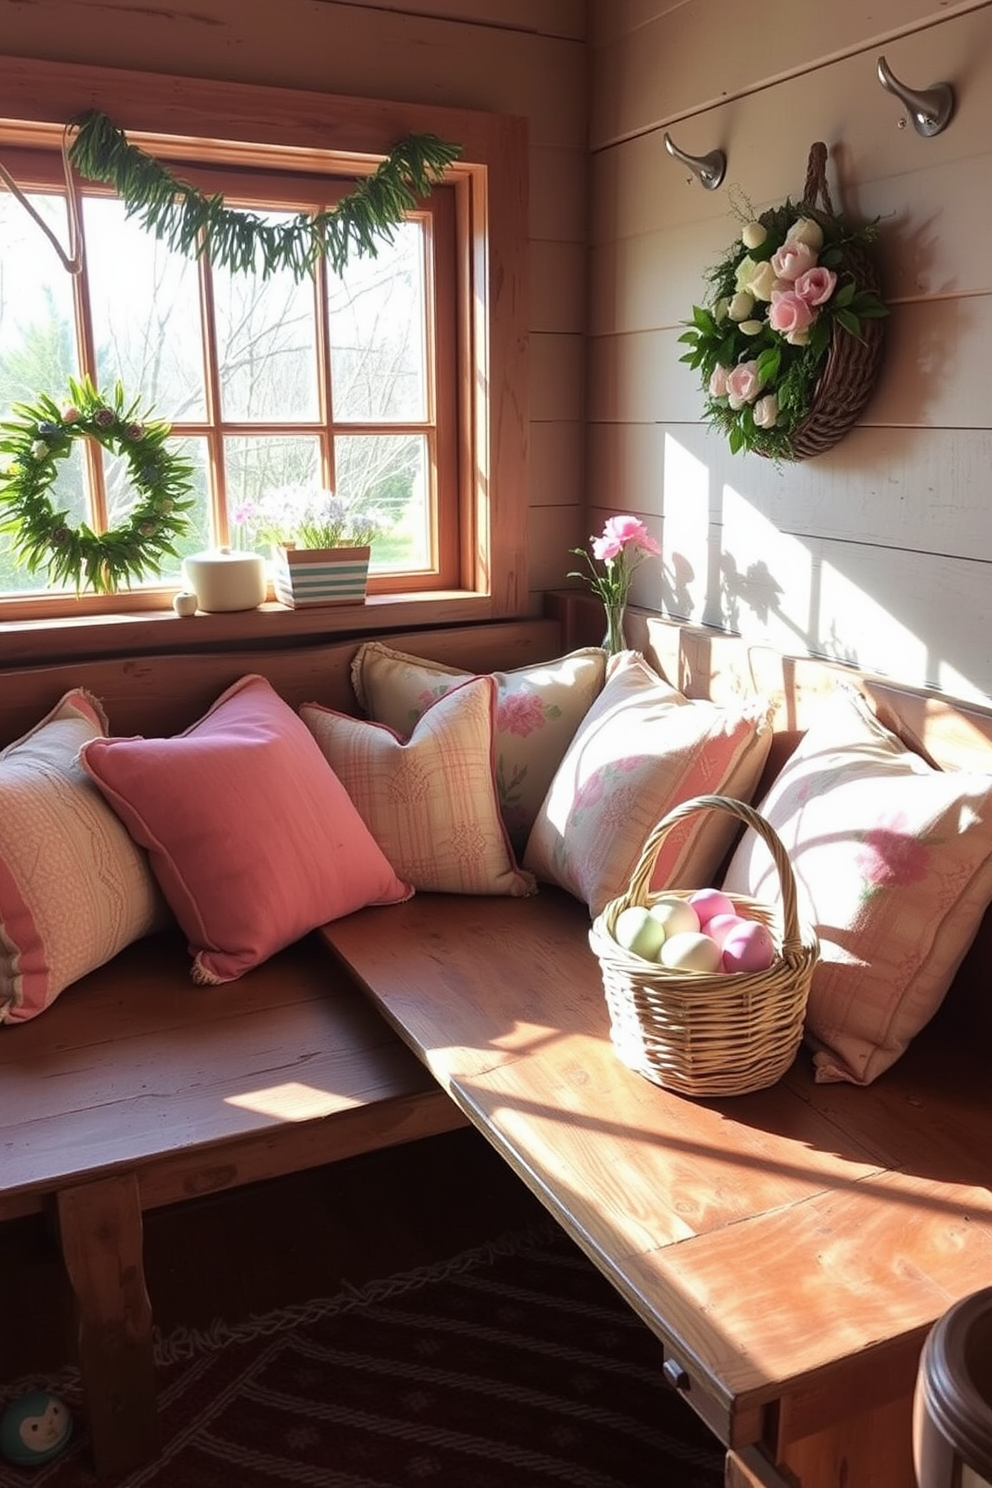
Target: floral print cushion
{"points": [[640, 750], [894, 860], [538, 710]]}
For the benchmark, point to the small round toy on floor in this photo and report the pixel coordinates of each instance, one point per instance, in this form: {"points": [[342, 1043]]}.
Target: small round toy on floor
{"points": [[34, 1429]]}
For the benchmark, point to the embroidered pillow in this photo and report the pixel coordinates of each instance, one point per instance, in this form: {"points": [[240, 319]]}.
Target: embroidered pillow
{"points": [[641, 749], [430, 802], [252, 838], [894, 859], [74, 888], [539, 708]]}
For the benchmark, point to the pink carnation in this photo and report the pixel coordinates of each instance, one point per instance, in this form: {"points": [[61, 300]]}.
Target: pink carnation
{"points": [[620, 533]]}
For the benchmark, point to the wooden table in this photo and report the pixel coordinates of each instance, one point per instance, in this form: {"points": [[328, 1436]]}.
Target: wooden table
{"points": [[790, 1248]]}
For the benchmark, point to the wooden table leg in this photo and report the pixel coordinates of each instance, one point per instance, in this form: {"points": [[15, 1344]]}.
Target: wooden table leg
{"points": [[101, 1236]]}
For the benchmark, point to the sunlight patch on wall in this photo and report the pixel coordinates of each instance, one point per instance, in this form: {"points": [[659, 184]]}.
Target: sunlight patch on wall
{"points": [[852, 623], [686, 495], [767, 577]]}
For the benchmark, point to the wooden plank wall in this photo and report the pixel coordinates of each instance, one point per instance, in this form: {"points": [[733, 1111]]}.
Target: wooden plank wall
{"points": [[879, 552], [519, 57]]}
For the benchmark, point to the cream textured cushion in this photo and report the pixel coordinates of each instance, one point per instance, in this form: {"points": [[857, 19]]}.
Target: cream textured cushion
{"points": [[74, 888], [539, 707], [894, 861], [430, 802], [641, 749]]}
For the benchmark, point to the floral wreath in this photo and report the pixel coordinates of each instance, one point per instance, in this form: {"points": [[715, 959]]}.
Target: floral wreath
{"points": [[789, 340], [41, 536]]}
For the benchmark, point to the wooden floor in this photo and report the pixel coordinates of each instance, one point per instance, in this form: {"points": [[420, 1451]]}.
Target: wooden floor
{"points": [[275, 1243]]}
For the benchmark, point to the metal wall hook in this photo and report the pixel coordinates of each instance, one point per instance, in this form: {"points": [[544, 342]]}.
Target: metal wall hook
{"points": [[708, 169], [930, 109]]}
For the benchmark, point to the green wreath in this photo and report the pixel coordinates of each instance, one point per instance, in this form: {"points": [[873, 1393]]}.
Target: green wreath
{"points": [[40, 534]]}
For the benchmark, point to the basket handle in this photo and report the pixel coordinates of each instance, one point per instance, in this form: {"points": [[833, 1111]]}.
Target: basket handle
{"points": [[792, 939]]}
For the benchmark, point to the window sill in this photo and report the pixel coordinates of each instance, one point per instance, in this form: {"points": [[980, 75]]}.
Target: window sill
{"points": [[36, 641]]}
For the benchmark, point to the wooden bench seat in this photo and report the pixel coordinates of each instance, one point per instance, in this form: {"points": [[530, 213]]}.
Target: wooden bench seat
{"points": [[790, 1248], [137, 1088], [146, 1090]]}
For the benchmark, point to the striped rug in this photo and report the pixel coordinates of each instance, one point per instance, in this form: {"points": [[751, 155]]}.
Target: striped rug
{"points": [[512, 1365]]}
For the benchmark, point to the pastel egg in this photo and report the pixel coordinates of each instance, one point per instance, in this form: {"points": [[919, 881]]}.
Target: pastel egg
{"points": [[749, 947], [708, 903], [637, 930], [720, 926], [675, 915], [690, 950]]}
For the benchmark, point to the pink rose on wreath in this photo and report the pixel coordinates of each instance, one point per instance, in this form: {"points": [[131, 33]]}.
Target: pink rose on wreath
{"points": [[815, 286], [793, 259], [891, 856], [789, 315], [718, 382], [743, 384], [520, 713]]}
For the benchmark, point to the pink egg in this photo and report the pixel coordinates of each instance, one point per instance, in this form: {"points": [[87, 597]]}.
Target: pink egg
{"points": [[749, 947], [720, 926], [708, 903]]}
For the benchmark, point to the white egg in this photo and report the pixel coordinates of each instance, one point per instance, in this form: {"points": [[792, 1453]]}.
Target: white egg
{"points": [[674, 915], [637, 930], [690, 950]]}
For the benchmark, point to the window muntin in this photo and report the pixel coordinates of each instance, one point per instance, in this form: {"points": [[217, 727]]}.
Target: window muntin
{"points": [[262, 381]]}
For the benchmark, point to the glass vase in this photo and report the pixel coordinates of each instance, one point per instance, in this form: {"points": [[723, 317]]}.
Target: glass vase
{"points": [[615, 639]]}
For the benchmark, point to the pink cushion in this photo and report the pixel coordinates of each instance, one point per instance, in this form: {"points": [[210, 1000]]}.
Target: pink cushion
{"points": [[539, 707], [430, 801], [74, 888], [641, 749], [252, 838], [893, 862]]}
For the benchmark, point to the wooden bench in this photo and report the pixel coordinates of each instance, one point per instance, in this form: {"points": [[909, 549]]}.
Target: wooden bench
{"points": [[790, 1248], [138, 1089]]}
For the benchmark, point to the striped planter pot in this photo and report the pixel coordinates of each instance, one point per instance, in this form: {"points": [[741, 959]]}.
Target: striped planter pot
{"points": [[320, 576]]}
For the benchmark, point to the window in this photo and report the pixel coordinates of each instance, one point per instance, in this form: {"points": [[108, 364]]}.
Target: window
{"points": [[376, 382], [345, 380]]}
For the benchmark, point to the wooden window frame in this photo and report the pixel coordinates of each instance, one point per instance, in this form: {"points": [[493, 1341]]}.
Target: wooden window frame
{"points": [[489, 183]]}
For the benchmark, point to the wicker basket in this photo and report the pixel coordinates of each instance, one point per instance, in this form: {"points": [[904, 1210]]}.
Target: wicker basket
{"points": [[700, 1033], [853, 362]]}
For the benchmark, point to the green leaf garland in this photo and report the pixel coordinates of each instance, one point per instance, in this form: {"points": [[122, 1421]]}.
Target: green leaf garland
{"points": [[194, 224]]}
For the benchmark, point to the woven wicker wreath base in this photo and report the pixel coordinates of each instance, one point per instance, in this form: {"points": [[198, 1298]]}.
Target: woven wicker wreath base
{"points": [[853, 362]]}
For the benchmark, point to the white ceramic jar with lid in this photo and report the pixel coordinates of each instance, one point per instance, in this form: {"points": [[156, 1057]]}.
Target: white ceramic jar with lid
{"points": [[223, 579]]}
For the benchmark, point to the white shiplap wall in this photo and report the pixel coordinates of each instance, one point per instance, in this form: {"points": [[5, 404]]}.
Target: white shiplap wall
{"points": [[880, 551]]}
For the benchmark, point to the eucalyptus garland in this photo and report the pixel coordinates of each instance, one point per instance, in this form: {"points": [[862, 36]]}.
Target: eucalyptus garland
{"points": [[42, 434], [194, 224]]}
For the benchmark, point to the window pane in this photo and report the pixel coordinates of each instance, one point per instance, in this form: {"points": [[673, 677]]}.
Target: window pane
{"points": [[387, 473], [378, 337], [146, 314], [37, 335], [257, 470], [266, 345]]}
